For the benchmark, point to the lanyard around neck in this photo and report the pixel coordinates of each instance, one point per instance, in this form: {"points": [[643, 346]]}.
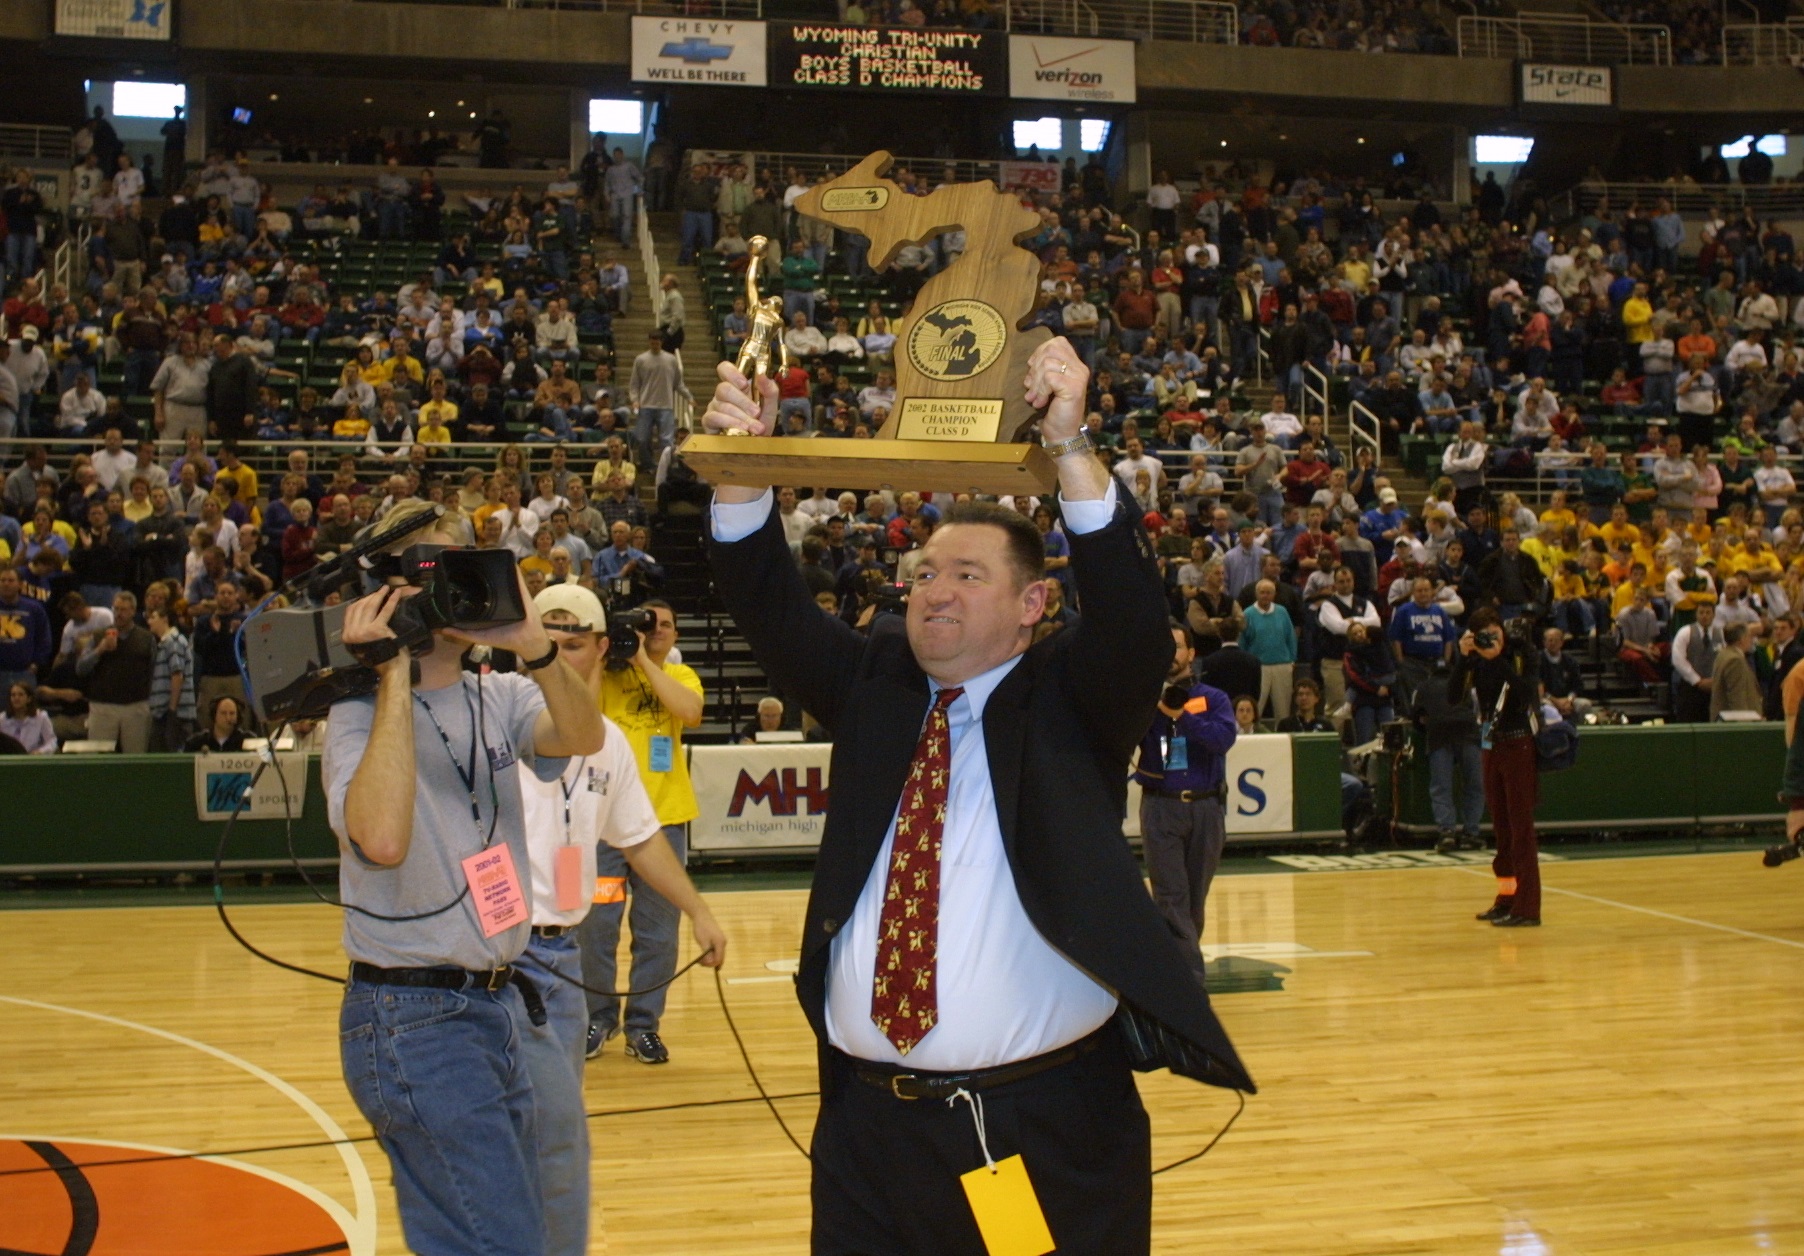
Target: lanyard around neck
{"points": [[465, 774]]}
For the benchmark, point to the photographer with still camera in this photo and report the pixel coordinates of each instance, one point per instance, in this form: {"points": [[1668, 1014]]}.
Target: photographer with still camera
{"points": [[652, 699], [595, 803], [435, 875], [1498, 664], [1182, 773]]}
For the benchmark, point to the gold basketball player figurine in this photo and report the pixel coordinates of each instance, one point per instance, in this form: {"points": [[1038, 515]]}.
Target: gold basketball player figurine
{"points": [[766, 330], [960, 422]]}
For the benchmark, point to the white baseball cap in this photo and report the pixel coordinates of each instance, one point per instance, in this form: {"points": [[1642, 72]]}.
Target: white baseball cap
{"points": [[573, 600]]}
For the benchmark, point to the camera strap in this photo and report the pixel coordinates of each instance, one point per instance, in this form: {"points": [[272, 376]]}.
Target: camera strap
{"points": [[465, 774]]}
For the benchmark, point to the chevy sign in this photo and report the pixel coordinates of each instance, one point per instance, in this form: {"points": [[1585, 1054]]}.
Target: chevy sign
{"points": [[1089, 71], [698, 52]]}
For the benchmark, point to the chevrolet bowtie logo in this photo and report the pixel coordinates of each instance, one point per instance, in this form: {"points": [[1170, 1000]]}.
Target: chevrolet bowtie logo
{"points": [[697, 50]]}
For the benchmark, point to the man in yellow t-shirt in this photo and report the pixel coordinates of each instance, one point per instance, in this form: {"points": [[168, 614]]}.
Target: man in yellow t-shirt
{"points": [[652, 700]]}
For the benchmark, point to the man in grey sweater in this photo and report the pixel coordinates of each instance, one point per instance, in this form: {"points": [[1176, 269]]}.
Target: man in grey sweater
{"points": [[653, 390]]}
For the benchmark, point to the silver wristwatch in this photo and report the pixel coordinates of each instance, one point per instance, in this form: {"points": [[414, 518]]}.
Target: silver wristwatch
{"points": [[1059, 448]]}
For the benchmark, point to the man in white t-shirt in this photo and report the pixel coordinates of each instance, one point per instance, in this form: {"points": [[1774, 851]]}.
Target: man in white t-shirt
{"points": [[1281, 425], [595, 798]]}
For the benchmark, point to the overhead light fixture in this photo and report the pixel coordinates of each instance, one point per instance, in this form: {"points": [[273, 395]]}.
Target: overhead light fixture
{"points": [[273, 96], [369, 100], [432, 113], [472, 113], [460, 104], [1360, 140], [1224, 143]]}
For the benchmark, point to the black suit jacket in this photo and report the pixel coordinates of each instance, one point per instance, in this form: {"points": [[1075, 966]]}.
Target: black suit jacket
{"points": [[1059, 732]]}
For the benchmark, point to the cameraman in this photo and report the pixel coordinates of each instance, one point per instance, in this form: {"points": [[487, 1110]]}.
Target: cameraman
{"points": [[1182, 774], [652, 700], [418, 788], [595, 802], [1500, 667]]}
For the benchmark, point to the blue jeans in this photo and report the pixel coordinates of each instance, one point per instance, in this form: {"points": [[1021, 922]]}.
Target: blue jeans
{"points": [[1468, 762], [793, 301], [552, 1054], [698, 226], [555, 418], [1366, 720], [391, 219], [625, 214], [664, 422], [22, 256], [1271, 508], [1576, 617], [438, 1075], [654, 941], [244, 220], [140, 368]]}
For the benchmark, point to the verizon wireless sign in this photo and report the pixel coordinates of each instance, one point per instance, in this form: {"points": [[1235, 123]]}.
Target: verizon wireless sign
{"points": [[1083, 70]]}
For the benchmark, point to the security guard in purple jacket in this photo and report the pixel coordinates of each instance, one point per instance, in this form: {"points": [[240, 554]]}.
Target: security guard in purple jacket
{"points": [[1183, 778]]}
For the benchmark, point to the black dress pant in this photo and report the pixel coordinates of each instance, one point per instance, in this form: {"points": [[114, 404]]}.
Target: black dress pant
{"points": [[886, 1170]]}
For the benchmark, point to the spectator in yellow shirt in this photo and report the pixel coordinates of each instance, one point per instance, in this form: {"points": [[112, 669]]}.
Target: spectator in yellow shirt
{"points": [[1638, 316], [437, 416]]}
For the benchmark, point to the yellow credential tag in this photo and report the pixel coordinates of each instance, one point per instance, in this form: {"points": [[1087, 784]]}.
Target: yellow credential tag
{"points": [[1007, 1211]]}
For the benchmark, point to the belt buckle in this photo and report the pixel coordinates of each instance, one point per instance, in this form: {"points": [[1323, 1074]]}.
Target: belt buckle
{"points": [[895, 1086], [497, 978]]}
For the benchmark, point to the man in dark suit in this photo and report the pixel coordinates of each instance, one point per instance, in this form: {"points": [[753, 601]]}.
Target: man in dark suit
{"points": [[978, 929]]}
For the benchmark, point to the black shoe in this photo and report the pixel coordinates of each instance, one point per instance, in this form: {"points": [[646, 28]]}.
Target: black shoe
{"points": [[1517, 922], [645, 1046], [1776, 855], [1448, 843], [1495, 913], [1472, 841]]}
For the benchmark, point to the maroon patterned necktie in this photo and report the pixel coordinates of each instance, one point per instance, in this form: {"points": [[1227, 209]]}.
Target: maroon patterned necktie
{"points": [[904, 1001]]}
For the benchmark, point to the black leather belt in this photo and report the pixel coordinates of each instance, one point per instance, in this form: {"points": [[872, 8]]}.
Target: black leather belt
{"points": [[1218, 794], [906, 1085], [493, 980], [552, 931]]}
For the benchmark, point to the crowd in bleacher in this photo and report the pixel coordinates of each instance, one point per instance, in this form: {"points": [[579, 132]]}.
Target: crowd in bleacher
{"points": [[1491, 351], [1506, 358]]}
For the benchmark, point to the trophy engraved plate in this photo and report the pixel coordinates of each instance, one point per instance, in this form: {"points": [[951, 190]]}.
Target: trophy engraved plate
{"points": [[854, 200], [947, 418], [960, 356]]}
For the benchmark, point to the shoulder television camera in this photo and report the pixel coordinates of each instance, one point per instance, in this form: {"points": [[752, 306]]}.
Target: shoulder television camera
{"points": [[295, 662]]}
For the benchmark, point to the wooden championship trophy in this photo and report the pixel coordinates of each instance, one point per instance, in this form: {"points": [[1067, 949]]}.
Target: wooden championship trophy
{"points": [[960, 356]]}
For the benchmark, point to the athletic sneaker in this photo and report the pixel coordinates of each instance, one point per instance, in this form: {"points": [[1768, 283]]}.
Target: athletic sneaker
{"points": [[645, 1046], [598, 1038]]}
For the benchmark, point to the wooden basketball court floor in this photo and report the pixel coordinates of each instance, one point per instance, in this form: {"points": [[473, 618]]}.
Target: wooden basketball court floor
{"points": [[1624, 1080]]}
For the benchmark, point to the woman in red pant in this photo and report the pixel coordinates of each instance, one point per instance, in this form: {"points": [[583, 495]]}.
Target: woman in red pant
{"points": [[1499, 666]]}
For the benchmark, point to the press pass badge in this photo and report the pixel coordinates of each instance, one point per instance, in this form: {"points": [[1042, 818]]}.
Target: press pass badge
{"points": [[663, 753], [567, 876], [495, 890]]}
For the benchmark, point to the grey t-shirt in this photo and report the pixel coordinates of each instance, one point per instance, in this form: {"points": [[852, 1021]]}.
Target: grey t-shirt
{"points": [[444, 834]]}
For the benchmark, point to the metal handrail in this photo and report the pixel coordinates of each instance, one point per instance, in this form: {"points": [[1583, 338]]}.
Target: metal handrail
{"points": [[1764, 43], [1357, 434], [48, 143], [1766, 200], [654, 278], [1564, 37], [1313, 392]]}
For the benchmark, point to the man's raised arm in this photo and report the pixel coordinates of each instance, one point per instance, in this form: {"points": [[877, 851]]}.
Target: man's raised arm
{"points": [[806, 651]]}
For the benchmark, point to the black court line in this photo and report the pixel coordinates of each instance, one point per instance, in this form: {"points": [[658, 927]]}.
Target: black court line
{"points": [[84, 1209]]}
